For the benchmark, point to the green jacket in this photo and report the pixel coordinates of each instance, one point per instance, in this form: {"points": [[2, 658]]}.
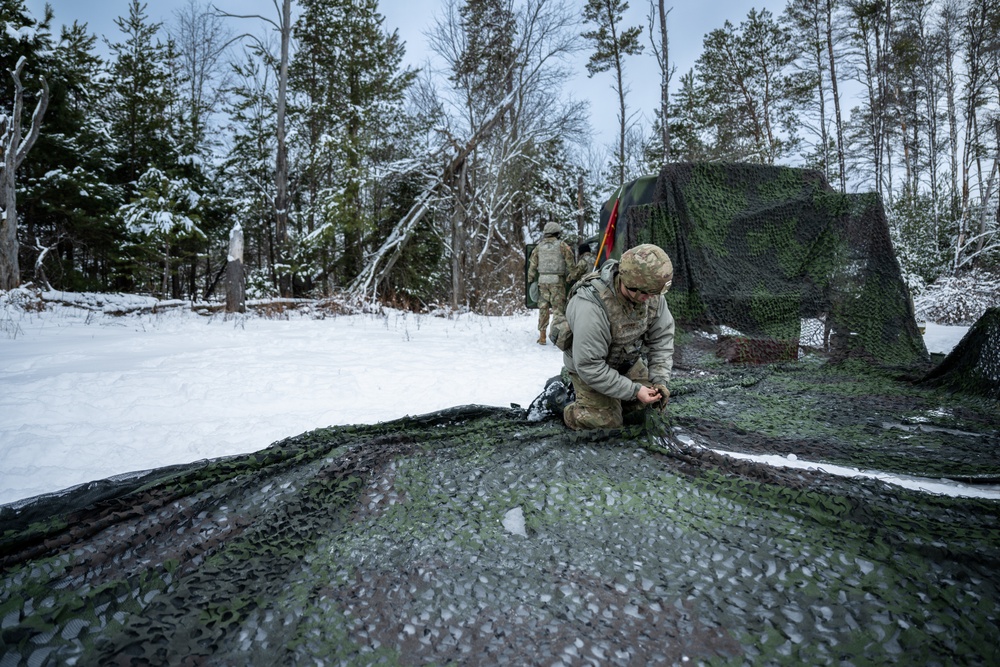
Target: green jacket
{"points": [[583, 266], [610, 332]]}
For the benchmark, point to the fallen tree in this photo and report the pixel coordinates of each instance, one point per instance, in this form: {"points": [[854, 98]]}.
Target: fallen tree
{"points": [[380, 263]]}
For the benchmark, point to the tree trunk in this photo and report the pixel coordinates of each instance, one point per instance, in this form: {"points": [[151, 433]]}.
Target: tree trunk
{"points": [[14, 149], [818, 53], [836, 96], [10, 271], [235, 281], [664, 84], [949, 19], [458, 219], [580, 218], [281, 166]]}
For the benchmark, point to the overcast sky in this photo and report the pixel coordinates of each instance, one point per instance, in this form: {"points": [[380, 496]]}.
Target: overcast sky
{"points": [[688, 23]]}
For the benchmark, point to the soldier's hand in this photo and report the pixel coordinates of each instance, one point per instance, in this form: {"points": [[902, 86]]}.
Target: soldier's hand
{"points": [[664, 393], [647, 395]]}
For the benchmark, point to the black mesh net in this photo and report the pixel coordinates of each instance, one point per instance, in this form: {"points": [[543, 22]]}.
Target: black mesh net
{"points": [[478, 536], [778, 258]]}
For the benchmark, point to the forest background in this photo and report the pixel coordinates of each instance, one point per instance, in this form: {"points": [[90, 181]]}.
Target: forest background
{"points": [[347, 172]]}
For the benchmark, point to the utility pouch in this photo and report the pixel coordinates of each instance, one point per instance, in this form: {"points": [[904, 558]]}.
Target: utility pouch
{"points": [[562, 335]]}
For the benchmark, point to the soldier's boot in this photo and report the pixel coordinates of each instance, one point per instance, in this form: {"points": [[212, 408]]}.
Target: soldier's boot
{"points": [[558, 395], [541, 337]]}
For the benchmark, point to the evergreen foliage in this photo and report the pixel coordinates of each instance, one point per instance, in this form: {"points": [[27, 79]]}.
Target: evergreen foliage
{"points": [[350, 87], [365, 135], [612, 43], [66, 190], [142, 96]]}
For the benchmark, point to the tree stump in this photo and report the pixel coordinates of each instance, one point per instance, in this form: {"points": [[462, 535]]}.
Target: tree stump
{"points": [[236, 296]]}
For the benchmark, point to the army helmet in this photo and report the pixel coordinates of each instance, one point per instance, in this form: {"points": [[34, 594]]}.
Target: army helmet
{"points": [[552, 229], [646, 268]]}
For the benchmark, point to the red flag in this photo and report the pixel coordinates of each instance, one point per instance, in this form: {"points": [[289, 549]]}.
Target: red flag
{"points": [[608, 240]]}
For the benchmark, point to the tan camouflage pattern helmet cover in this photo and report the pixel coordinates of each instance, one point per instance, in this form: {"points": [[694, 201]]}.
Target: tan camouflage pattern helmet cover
{"points": [[647, 268], [552, 228]]}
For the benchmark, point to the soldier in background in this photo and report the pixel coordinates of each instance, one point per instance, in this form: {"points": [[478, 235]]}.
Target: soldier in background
{"points": [[549, 265], [615, 318], [584, 265]]}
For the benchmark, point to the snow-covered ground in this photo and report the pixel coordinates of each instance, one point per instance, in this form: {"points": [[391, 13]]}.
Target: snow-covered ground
{"points": [[86, 395]]}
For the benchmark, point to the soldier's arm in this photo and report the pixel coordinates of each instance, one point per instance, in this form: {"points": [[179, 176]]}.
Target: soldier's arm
{"points": [[576, 272], [533, 266], [569, 259], [591, 341], [660, 345]]}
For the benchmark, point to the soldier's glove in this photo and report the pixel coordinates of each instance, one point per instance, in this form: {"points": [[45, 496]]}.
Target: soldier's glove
{"points": [[664, 396]]}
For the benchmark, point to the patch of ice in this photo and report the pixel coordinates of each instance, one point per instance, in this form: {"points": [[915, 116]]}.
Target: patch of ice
{"points": [[513, 522]]}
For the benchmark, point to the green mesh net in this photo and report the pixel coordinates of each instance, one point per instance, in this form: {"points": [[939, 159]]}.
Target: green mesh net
{"points": [[478, 536], [777, 259], [974, 365]]}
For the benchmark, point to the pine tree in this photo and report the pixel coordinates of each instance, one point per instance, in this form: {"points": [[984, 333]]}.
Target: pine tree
{"points": [[252, 111], [485, 67], [352, 68], [68, 198], [612, 43], [143, 94], [751, 98]]}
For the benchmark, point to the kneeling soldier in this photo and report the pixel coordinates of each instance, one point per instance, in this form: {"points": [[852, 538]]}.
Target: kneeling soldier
{"points": [[616, 316]]}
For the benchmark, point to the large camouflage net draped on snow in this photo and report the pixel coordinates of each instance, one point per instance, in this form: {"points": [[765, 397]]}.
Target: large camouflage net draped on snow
{"points": [[759, 249], [973, 367], [399, 543]]}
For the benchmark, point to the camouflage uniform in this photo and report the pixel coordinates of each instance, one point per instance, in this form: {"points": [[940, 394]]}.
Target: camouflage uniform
{"points": [[584, 265], [550, 262], [610, 333]]}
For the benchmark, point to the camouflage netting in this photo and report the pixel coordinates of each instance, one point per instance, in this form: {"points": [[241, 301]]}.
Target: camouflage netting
{"points": [[974, 365], [399, 543], [759, 249]]}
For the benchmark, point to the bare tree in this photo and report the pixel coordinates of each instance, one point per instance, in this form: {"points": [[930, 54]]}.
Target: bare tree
{"points": [[869, 34], [806, 17], [283, 25], [834, 90], [493, 201], [15, 148], [202, 38], [976, 36], [948, 25], [661, 49], [612, 43]]}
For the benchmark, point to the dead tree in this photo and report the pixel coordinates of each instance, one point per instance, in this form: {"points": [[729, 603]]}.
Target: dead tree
{"points": [[235, 280], [14, 148]]}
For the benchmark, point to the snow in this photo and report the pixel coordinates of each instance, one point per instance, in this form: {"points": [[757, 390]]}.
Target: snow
{"points": [[87, 394], [513, 522], [939, 486], [958, 300], [940, 338], [24, 33]]}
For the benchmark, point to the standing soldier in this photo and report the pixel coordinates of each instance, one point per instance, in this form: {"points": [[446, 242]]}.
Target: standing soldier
{"points": [[549, 264], [616, 317], [584, 265]]}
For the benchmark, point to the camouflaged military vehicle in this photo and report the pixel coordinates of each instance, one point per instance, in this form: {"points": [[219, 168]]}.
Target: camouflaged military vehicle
{"points": [[772, 259]]}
